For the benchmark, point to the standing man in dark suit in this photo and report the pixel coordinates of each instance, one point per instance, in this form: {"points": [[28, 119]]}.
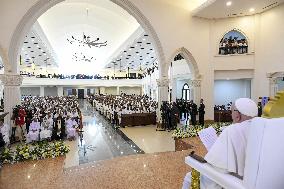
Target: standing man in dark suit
{"points": [[201, 112], [193, 112]]}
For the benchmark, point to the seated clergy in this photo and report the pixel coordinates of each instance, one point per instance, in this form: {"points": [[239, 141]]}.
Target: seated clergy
{"points": [[228, 152], [45, 133], [71, 125], [33, 134]]}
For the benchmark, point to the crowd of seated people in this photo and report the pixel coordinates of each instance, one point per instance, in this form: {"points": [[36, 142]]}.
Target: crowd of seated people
{"points": [[75, 76], [46, 118], [112, 107], [233, 46], [223, 107]]}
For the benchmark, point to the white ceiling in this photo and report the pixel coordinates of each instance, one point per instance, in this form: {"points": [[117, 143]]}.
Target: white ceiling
{"points": [[139, 52], [105, 20], [214, 9], [35, 53]]}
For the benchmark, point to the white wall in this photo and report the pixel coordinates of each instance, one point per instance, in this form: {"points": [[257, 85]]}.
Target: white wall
{"points": [[226, 91], [34, 91], [180, 84], [131, 90], [111, 90], [50, 91], [180, 68]]}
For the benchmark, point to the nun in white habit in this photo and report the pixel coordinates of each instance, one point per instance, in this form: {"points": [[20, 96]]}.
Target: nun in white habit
{"points": [[228, 152]]}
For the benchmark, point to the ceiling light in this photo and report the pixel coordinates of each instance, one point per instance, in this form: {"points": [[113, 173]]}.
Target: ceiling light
{"points": [[229, 3], [251, 10]]}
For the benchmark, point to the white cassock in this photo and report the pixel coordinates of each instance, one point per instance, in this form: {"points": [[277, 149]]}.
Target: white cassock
{"points": [[33, 132], [71, 131], [227, 154], [45, 132], [5, 133]]}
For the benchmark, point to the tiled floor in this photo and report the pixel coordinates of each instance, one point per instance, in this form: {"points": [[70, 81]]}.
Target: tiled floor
{"points": [[150, 140], [100, 140], [144, 171]]}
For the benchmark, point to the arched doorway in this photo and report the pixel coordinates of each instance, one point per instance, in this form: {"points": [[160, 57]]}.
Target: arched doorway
{"points": [[184, 77], [42, 6]]}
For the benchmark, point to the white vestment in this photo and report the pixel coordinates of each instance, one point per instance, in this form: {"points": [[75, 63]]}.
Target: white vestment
{"points": [[71, 131], [5, 133], [45, 132], [227, 154], [33, 134]]}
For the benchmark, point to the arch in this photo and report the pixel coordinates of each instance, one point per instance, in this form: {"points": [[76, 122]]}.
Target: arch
{"points": [[189, 59], [42, 6], [4, 58], [218, 45]]}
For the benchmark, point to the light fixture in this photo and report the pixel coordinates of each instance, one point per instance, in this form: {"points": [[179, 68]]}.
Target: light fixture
{"points": [[229, 3], [251, 10], [86, 40]]}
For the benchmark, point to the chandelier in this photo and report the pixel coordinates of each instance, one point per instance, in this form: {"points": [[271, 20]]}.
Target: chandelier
{"points": [[81, 57], [86, 39]]}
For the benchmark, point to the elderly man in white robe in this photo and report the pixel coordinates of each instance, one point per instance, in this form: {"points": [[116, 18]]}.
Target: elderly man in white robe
{"points": [[228, 152], [33, 134], [71, 125]]}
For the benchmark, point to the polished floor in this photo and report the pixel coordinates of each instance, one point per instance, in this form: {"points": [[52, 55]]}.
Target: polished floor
{"points": [[100, 140], [150, 140]]}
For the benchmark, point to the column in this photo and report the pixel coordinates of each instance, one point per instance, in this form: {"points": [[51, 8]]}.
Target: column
{"points": [[12, 94], [41, 93], [163, 85], [117, 90], [102, 90], [196, 84], [273, 86], [174, 89], [59, 91]]}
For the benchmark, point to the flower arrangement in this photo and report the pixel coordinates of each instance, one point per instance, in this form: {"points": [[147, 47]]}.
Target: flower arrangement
{"points": [[187, 131], [36, 151]]}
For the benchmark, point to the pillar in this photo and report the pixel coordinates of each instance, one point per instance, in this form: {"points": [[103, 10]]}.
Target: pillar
{"points": [[174, 89], [273, 86], [102, 90], [59, 91], [41, 92], [117, 90], [163, 85], [12, 94], [196, 84]]}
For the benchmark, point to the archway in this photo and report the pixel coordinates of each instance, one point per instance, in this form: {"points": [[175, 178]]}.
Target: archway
{"points": [[183, 70], [42, 6]]}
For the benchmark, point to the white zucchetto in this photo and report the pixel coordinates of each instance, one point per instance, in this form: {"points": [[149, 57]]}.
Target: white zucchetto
{"points": [[246, 107]]}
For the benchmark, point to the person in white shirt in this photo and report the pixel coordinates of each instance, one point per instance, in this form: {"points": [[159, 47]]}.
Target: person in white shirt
{"points": [[71, 125], [45, 133], [228, 152], [33, 134]]}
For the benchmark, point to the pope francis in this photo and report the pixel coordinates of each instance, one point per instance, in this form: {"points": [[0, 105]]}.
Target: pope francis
{"points": [[228, 152]]}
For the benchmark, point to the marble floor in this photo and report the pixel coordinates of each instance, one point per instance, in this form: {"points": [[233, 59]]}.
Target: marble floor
{"points": [[150, 140], [100, 140]]}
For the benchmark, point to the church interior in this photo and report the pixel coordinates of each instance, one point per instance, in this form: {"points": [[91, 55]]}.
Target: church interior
{"points": [[142, 94]]}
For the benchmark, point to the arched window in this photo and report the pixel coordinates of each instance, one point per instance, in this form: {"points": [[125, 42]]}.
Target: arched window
{"points": [[186, 92], [233, 42]]}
